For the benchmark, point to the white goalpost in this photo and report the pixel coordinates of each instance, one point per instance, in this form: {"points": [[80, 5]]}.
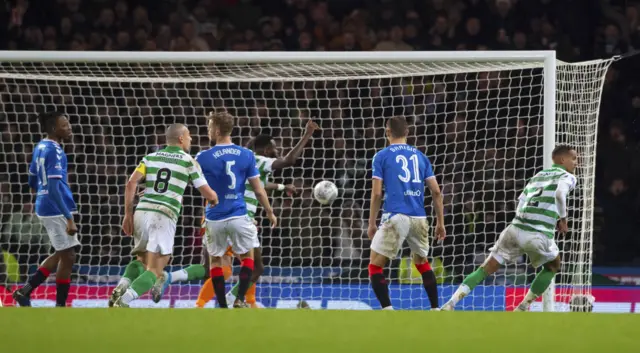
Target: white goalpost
{"points": [[487, 120]]}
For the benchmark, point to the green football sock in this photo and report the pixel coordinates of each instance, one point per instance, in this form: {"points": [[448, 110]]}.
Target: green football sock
{"points": [[475, 278], [134, 269], [144, 282], [234, 290], [195, 272], [542, 281]]}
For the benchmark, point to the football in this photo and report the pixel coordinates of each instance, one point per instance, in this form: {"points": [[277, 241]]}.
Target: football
{"points": [[325, 192]]}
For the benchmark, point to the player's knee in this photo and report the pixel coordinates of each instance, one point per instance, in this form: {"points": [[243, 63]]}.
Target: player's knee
{"points": [[67, 256], [555, 265], [159, 272], [377, 259], [492, 265], [215, 261], [258, 269], [418, 260]]}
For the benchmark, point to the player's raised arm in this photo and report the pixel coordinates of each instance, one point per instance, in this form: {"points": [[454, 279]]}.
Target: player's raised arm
{"points": [[293, 155], [376, 195]]}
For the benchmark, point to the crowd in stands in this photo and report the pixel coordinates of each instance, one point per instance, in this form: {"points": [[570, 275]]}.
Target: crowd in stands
{"points": [[466, 124]]}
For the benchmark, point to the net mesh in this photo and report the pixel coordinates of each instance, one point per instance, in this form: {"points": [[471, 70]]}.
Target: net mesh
{"points": [[481, 124]]}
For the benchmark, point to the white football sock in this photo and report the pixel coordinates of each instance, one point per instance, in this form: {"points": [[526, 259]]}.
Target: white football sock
{"points": [[129, 296], [529, 298], [180, 275], [124, 283], [460, 293]]}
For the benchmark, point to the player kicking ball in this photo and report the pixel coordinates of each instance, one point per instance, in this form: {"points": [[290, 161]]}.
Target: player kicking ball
{"points": [[403, 170], [542, 206], [153, 226], [228, 167], [268, 160], [54, 208]]}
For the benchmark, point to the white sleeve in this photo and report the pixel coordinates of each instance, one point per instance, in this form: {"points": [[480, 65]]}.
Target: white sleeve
{"points": [[565, 185], [196, 176], [521, 200]]}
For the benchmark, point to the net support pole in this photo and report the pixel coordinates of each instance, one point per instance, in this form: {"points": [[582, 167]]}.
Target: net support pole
{"points": [[549, 142]]}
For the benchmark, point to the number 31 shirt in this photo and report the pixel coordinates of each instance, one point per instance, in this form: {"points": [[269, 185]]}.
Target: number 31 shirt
{"points": [[403, 170], [167, 173], [227, 168]]}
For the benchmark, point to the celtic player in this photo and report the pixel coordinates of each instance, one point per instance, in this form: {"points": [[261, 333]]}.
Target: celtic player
{"points": [[167, 173], [268, 160], [542, 206]]}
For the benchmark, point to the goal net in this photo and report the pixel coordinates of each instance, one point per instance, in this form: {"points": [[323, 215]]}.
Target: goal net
{"points": [[486, 120]]}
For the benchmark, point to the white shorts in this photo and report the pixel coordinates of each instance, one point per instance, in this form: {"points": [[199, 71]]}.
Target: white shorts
{"points": [[394, 230], [153, 231], [514, 242], [56, 227], [239, 232]]}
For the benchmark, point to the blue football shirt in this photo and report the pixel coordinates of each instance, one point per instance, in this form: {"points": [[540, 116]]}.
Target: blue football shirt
{"points": [[48, 162], [403, 170], [227, 168]]}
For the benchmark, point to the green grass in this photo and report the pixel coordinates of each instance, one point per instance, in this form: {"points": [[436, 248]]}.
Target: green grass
{"points": [[307, 331]]}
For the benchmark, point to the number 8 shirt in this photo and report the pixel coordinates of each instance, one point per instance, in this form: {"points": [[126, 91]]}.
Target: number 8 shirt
{"points": [[167, 173]]}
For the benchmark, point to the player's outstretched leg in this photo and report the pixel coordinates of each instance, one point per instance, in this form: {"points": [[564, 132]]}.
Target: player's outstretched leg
{"points": [[134, 269], [428, 280], [540, 284], [23, 295], [471, 281], [191, 273]]}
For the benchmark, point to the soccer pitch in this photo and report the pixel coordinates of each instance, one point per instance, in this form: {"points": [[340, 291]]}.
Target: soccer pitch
{"points": [[181, 330]]}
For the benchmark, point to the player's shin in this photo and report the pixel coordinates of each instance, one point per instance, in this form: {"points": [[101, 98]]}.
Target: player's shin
{"points": [[539, 285], [206, 291], [379, 285], [468, 284], [244, 278], [141, 285], [63, 276], [206, 294], [250, 296], [429, 282], [36, 280], [62, 291], [134, 269], [217, 279]]}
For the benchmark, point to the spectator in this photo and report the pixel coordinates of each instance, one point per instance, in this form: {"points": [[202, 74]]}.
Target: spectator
{"points": [[395, 42], [473, 36]]}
